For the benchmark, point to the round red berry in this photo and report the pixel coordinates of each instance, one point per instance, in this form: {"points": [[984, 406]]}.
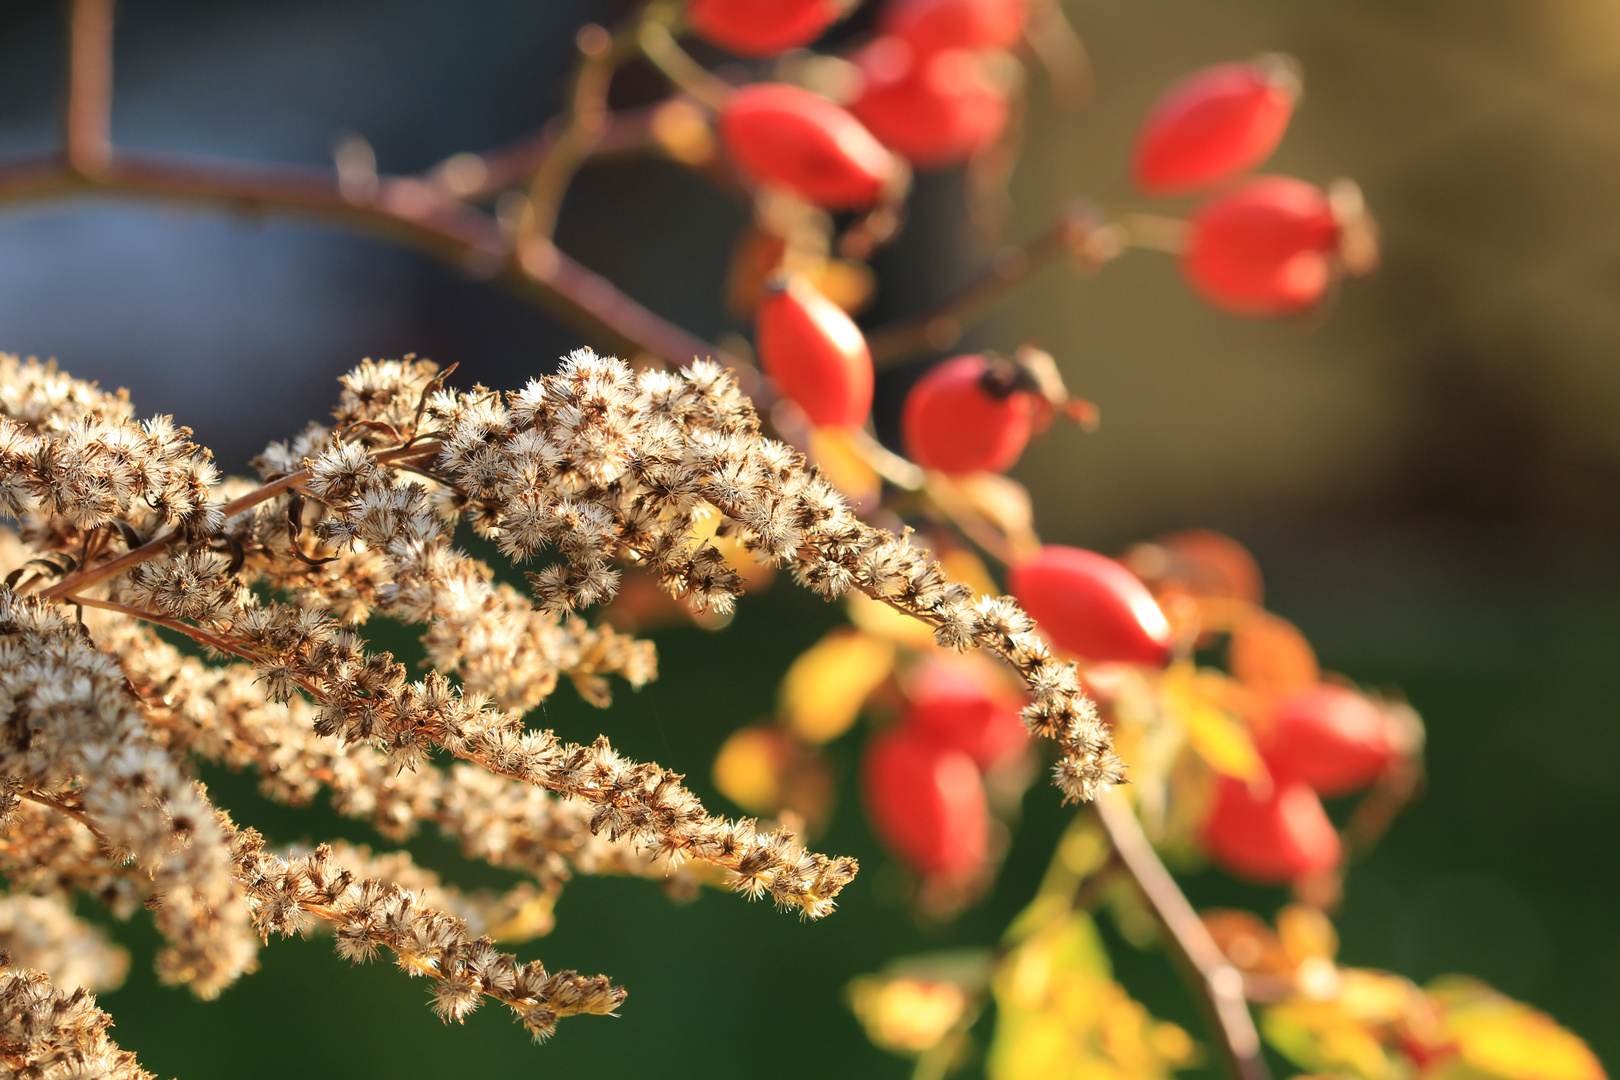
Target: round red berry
{"points": [[1214, 124], [785, 136], [967, 416], [1270, 837], [954, 707], [1089, 604], [1263, 250], [1332, 738], [929, 25], [932, 108], [814, 353], [759, 28], [927, 804]]}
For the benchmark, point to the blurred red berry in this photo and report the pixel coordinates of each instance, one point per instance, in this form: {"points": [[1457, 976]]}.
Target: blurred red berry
{"points": [[814, 353], [1332, 738], [1091, 605], [785, 136], [1263, 250], [1214, 124], [1277, 837], [934, 109], [930, 25], [961, 418], [761, 27], [927, 804], [952, 707]]}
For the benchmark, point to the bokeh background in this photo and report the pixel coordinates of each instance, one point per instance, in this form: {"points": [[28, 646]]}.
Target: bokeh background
{"points": [[1430, 474]]}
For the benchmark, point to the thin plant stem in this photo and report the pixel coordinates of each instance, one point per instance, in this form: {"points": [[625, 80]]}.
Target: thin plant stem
{"points": [[87, 111], [1078, 234], [1216, 984], [658, 44]]}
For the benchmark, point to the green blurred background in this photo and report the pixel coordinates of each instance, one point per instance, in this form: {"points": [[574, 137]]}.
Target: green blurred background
{"points": [[1429, 475]]}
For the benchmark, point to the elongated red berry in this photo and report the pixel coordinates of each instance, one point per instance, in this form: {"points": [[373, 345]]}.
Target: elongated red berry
{"points": [[932, 108], [761, 27], [929, 25], [814, 353], [1089, 604], [1263, 250], [1213, 125], [967, 415], [785, 136], [952, 706], [927, 804], [1271, 837], [1332, 738]]}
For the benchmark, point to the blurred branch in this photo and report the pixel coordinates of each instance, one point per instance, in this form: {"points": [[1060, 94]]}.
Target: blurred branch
{"points": [[658, 44], [1078, 233], [1215, 982], [87, 113], [600, 54]]}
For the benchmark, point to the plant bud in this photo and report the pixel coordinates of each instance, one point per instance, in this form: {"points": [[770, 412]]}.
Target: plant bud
{"points": [[1264, 250], [1213, 125], [927, 804], [759, 28], [814, 353], [784, 136], [964, 416], [1089, 604], [1272, 837]]}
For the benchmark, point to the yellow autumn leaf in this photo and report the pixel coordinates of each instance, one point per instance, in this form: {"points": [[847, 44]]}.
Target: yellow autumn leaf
{"points": [[748, 769], [883, 621], [826, 686], [1323, 1036], [844, 466], [1501, 1039], [907, 1016], [1192, 697]]}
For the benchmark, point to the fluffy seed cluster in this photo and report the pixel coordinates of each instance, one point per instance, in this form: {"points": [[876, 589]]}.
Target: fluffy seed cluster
{"points": [[46, 1032], [124, 527]]}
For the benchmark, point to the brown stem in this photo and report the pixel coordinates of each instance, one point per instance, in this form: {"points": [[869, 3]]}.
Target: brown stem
{"points": [[86, 577], [87, 115], [200, 636], [67, 810], [677, 65], [600, 54], [1078, 233], [1216, 983]]}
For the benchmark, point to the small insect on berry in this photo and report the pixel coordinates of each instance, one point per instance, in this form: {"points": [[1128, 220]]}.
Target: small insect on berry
{"points": [[1266, 249], [784, 136], [935, 108], [814, 353], [931, 25], [950, 705], [927, 804], [1215, 124], [759, 28], [1090, 605], [969, 414], [1271, 836], [1332, 738]]}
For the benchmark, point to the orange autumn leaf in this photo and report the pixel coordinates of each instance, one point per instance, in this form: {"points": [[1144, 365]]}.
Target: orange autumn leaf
{"points": [[1269, 655]]}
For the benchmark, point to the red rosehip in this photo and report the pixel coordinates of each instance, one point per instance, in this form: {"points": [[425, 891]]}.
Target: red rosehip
{"points": [[950, 706], [934, 109], [927, 804], [959, 419], [1264, 250], [929, 25], [785, 136], [1272, 838], [1332, 738], [1214, 124], [761, 27], [1091, 605], [814, 353]]}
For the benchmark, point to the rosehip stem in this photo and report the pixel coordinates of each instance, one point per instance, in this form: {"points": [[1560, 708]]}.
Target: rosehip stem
{"points": [[1214, 981], [1079, 233], [684, 73]]}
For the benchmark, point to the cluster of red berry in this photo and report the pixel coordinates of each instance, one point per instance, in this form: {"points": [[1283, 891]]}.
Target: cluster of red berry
{"points": [[930, 90]]}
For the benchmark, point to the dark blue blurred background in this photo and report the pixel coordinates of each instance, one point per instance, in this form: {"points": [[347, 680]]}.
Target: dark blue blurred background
{"points": [[1430, 478]]}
